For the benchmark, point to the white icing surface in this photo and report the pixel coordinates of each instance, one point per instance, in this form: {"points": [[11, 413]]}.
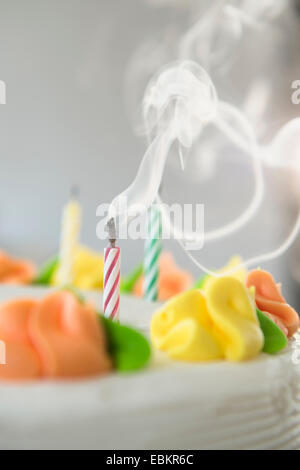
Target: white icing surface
{"points": [[254, 405]]}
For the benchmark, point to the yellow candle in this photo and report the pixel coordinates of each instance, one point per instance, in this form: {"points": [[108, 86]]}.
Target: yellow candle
{"points": [[69, 241]]}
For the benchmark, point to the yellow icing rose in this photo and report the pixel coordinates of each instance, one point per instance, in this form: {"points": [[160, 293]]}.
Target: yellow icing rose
{"points": [[233, 313], [224, 325], [88, 269], [184, 330]]}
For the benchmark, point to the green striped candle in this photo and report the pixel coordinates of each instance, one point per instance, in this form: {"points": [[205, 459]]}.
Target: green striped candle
{"points": [[153, 247]]}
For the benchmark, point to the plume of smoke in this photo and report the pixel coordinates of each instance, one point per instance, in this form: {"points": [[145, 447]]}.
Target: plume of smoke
{"points": [[178, 103], [181, 100], [149, 56], [257, 11], [213, 41]]}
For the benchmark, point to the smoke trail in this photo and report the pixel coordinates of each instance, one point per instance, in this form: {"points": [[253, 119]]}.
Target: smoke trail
{"points": [[214, 38], [233, 124], [181, 100], [213, 41], [178, 103], [282, 152]]}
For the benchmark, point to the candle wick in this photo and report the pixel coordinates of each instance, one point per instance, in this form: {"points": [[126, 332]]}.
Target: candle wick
{"points": [[111, 229]]}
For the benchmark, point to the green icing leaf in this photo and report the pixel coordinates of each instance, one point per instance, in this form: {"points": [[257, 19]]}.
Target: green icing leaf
{"points": [[46, 272], [129, 349], [275, 339], [127, 284]]}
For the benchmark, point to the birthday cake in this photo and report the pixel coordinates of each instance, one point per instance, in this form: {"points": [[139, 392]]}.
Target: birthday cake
{"points": [[90, 359], [223, 371]]}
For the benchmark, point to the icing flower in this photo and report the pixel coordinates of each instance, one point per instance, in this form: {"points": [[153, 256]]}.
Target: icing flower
{"points": [[269, 299], [13, 271], [234, 318], [57, 337], [88, 270], [172, 279], [183, 328], [223, 326]]}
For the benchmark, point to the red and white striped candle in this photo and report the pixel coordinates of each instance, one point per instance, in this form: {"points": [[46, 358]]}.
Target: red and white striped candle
{"points": [[111, 278]]}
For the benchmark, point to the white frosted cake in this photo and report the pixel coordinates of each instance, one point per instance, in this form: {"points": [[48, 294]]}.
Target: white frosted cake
{"points": [[169, 405]]}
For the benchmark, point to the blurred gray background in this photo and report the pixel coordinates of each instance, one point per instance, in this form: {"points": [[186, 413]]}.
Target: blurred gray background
{"points": [[67, 120]]}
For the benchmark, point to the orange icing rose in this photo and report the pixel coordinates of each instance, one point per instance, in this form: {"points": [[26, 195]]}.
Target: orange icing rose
{"points": [[172, 279], [22, 361], [269, 299], [57, 337], [14, 271]]}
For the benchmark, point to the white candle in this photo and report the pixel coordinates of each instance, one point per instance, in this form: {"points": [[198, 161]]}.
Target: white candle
{"points": [[69, 241]]}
